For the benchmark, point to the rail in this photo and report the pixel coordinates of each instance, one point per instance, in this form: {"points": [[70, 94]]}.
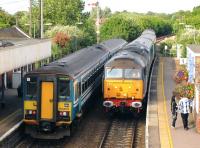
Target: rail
{"points": [[105, 135], [120, 133]]}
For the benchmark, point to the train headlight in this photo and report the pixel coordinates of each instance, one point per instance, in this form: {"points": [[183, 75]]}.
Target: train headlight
{"points": [[64, 113], [63, 116], [108, 104], [30, 114], [136, 104]]}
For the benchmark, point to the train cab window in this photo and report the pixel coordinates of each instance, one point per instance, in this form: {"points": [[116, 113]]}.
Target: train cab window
{"points": [[31, 89], [63, 88], [132, 73], [113, 73]]}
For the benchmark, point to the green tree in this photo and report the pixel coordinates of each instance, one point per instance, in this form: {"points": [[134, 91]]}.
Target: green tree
{"points": [[22, 18], [6, 20], [65, 12], [119, 26], [129, 25]]}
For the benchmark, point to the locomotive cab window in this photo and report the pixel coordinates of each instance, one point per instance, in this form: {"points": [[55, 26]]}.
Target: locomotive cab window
{"points": [[132, 73], [114, 73], [31, 89], [63, 88]]}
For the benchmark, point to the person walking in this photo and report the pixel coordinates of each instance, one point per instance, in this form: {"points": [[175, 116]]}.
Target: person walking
{"points": [[184, 106], [174, 109]]}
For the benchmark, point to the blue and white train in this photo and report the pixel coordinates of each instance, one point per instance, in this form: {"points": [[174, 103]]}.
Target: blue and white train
{"points": [[55, 94]]}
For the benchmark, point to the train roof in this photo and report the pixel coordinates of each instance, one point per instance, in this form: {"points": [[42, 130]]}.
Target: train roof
{"points": [[79, 62], [127, 59], [111, 44], [143, 42]]}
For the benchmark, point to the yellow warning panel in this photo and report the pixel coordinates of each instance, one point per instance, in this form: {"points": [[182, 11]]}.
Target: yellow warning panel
{"points": [[123, 89], [47, 100]]}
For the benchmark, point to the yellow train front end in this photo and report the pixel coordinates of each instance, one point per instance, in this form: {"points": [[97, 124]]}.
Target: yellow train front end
{"points": [[124, 90], [47, 106]]}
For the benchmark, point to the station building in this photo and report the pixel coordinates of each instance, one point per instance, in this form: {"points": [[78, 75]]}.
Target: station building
{"points": [[18, 55], [193, 66]]}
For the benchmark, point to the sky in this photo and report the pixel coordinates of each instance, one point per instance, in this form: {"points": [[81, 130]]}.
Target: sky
{"points": [[140, 6]]}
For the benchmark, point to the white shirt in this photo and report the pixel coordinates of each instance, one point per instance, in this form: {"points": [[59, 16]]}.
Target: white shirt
{"points": [[184, 105]]}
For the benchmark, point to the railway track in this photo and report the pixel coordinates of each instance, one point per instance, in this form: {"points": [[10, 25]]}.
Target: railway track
{"points": [[87, 134], [97, 131], [124, 133]]}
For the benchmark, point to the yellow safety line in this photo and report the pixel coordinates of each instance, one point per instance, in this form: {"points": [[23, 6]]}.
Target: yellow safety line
{"points": [[165, 110], [9, 116]]}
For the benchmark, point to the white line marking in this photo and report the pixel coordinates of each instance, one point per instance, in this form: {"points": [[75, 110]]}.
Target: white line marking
{"points": [[10, 131]]}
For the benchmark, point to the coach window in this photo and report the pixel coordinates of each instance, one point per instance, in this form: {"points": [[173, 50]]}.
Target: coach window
{"points": [[77, 90], [63, 88], [31, 90]]}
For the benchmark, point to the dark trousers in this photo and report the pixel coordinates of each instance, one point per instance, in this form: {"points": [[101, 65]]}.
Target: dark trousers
{"points": [[185, 119], [174, 117]]}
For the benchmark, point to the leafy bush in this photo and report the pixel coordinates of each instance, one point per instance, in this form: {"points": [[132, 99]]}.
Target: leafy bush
{"points": [[68, 30], [61, 39], [181, 75], [185, 90], [64, 38]]}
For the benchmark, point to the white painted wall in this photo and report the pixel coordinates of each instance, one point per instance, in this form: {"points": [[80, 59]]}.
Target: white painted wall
{"points": [[18, 56]]}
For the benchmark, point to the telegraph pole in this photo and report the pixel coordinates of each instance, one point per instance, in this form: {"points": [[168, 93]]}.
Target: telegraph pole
{"points": [[30, 19], [98, 22], [41, 19]]}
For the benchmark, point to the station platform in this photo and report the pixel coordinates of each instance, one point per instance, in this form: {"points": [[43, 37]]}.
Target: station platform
{"points": [[159, 133], [11, 113]]}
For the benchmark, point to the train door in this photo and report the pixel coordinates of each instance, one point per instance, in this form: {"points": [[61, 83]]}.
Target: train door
{"points": [[47, 100]]}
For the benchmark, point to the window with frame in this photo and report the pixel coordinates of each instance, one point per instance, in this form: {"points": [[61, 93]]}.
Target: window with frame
{"points": [[63, 88], [31, 86], [132, 73], [77, 90], [114, 73]]}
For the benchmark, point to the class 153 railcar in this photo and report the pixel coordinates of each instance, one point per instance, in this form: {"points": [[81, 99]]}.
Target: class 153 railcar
{"points": [[127, 74], [55, 95]]}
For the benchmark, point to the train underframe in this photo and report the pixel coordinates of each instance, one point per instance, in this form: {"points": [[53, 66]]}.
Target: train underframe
{"points": [[134, 107], [49, 130]]}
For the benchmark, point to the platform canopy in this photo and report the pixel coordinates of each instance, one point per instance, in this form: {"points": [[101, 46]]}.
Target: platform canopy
{"points": [[17, 49]]}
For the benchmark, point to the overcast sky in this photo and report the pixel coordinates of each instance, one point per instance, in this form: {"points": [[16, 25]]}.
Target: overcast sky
{"points": [[142, 6]]}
